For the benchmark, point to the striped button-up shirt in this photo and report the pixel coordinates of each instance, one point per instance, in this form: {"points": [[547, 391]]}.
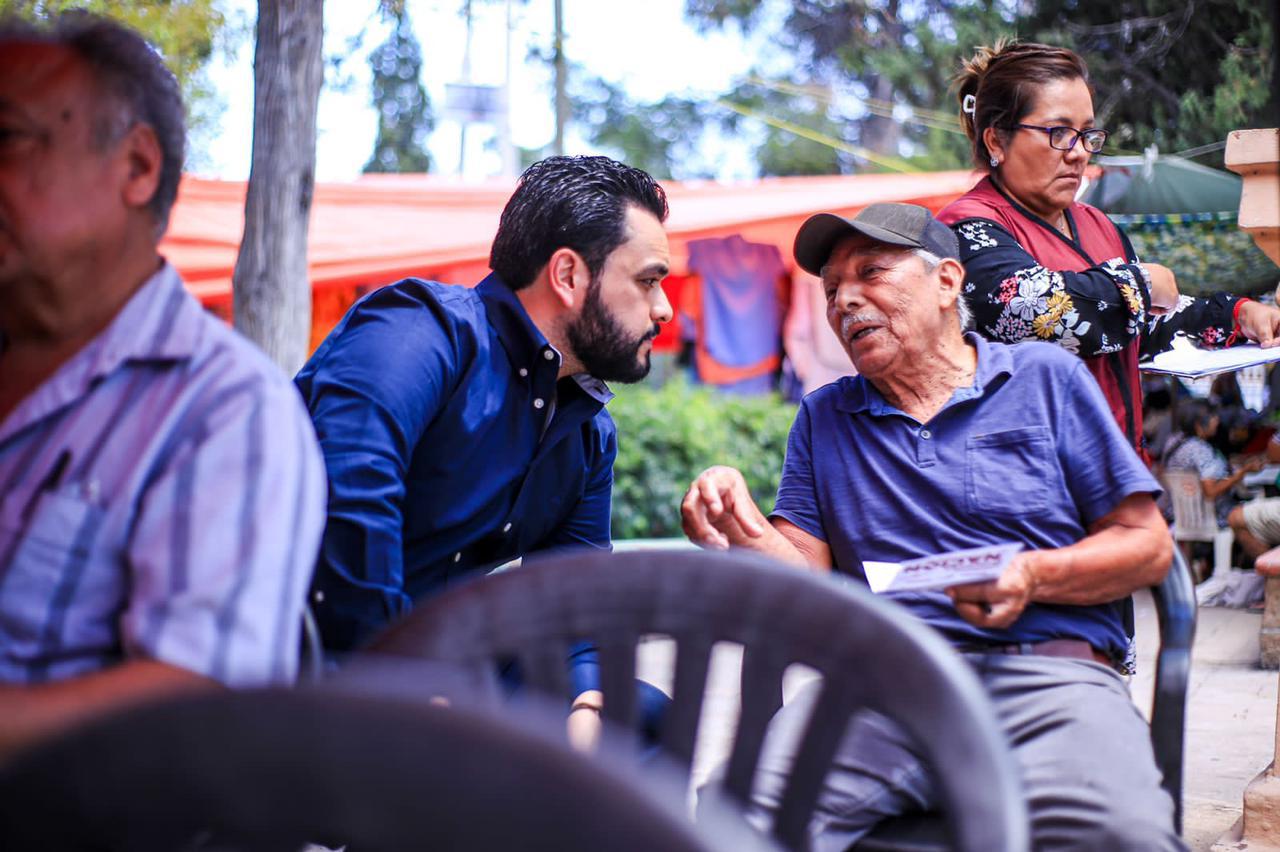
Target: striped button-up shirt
{"points": [[161, 497]]}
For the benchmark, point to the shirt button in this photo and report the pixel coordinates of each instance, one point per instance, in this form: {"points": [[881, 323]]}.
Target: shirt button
{"points": [[537, 403], [318, 597], [523, 372], [506, 527], [548, 354], [457, 557], [926, 434]]}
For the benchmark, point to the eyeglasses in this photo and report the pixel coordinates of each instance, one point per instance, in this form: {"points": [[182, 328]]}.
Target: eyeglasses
{"points": [[1063, 137]]}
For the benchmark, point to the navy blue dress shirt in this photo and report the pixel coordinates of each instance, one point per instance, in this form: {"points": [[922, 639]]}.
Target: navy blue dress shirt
{"points": [[450, 446]]}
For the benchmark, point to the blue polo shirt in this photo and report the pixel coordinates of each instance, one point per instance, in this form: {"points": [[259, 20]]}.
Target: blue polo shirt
{"points": [[1030, 453], [450, 447]]}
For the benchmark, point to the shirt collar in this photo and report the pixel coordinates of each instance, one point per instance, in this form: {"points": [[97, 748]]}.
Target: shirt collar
{"points": [[526, 345], [858, 395], [522, 339], [593, 387], [160, 322]]}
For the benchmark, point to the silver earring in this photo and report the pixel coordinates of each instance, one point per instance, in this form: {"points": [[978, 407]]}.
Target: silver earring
{"points": [[994, 162]]}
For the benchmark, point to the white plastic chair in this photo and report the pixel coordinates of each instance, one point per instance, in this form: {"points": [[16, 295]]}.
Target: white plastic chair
{"points": [[1194, 517]]}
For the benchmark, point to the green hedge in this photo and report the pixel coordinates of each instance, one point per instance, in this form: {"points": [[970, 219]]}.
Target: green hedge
{"points": [[668, 435], [1206, 258]]}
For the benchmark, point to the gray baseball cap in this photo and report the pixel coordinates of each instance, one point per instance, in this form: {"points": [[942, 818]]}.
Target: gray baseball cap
{"points": [[908, 225]]}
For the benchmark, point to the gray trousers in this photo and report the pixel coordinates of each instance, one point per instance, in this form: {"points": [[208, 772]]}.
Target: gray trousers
{"points": [[1083, 749]]}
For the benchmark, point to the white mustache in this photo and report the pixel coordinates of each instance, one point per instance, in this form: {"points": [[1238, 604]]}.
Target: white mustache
{"points": [[849, 321]]}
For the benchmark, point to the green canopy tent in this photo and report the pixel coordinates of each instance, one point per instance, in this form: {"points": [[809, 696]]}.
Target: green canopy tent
{"points": [[1183, 214]]}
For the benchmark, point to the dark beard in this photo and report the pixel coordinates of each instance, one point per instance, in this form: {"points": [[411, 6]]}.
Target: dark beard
{"points": [[602, 345]]}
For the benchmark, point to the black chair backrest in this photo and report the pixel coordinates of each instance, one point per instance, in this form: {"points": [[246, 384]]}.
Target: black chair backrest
{"points": [[1175, 602], [870, 653], [276, 769]]}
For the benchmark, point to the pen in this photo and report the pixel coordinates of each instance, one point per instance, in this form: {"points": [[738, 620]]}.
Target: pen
{"points": [[54, 478]]}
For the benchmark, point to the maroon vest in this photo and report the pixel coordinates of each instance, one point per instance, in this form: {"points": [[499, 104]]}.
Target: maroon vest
{"points": [[1098, 240]]}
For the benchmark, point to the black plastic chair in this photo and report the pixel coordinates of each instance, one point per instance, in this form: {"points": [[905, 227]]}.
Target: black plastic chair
{"points": [[274, 770], [311, 658], [870, 654], [1175, 603]]}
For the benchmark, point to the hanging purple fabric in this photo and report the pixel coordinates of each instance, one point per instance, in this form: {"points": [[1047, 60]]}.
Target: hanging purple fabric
{"points": [[741, 315]]}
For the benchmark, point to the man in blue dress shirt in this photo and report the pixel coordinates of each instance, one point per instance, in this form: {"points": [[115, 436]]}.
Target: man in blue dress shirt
{"points": [[464, 427], [945, 442]]}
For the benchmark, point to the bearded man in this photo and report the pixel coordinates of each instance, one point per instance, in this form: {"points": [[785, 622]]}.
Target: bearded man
{"points": [[464, 427]]}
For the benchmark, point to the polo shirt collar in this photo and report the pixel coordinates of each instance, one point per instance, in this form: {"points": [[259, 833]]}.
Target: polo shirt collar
{"points": [[526, 345], [858, 395]]}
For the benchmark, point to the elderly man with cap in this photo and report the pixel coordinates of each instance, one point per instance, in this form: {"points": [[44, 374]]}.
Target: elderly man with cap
{"points": [[945, 442]]}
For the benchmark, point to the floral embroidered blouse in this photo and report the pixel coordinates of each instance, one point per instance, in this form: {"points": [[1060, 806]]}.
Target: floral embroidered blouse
{"points": [[1027, 281]]}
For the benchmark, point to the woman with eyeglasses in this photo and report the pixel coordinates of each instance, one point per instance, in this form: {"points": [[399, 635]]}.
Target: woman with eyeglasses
{"points": [[1042, 266]]}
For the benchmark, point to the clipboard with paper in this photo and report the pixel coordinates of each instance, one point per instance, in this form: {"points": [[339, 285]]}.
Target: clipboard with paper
{"points": [[1189, 361]]}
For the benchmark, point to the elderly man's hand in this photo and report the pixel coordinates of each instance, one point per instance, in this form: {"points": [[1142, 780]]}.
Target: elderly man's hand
{"points": [[718, 511], [997, 603], [1261, 323]]}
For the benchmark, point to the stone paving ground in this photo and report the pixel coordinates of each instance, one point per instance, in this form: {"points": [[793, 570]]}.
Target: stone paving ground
{"points": [[1230, 722], [1231, 716]]}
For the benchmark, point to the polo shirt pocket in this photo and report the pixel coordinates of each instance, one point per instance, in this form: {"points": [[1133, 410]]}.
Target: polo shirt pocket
{"points": [[1006, 472]]}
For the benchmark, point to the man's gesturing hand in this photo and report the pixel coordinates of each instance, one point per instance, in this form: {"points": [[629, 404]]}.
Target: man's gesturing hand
{"points": [[718, 511]]}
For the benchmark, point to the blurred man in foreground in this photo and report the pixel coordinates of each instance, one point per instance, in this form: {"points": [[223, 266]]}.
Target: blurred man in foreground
{"points": [[161, 493]]}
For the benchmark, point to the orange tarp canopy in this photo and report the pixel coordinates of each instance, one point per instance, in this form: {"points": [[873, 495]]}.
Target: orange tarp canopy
{"points": [[384, 227]]}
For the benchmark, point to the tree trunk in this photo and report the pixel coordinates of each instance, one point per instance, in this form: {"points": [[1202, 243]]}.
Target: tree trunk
{"points": [[881, 133], [561, 71], [272, 301]]}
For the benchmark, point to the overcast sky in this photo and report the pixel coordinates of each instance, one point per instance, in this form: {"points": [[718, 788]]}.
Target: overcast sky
{"points": [[645, 47]]}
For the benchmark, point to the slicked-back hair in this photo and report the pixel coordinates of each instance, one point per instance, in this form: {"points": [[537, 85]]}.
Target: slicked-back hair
{"points": [[135, 85], [569, 202]]}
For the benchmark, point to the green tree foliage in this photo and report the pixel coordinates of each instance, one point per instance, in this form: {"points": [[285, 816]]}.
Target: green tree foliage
{"points": [[784, 104], [667, 436], [886, 66], [404, 110], [187, 33], [660, 138], [1207, 257], [1151, 87]]}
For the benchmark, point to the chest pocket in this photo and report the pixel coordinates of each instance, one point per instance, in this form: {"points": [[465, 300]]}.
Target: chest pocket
{"points": [[1009, 473], [51, 552]]}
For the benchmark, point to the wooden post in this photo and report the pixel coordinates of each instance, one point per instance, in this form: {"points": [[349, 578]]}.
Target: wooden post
{"points": [[1255, 156], [272, 292]]}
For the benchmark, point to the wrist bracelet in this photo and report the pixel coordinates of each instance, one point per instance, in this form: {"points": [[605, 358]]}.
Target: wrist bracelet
{"points": [[1236, 330], [583, 705], [1145, 290], [1145, 274]]}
